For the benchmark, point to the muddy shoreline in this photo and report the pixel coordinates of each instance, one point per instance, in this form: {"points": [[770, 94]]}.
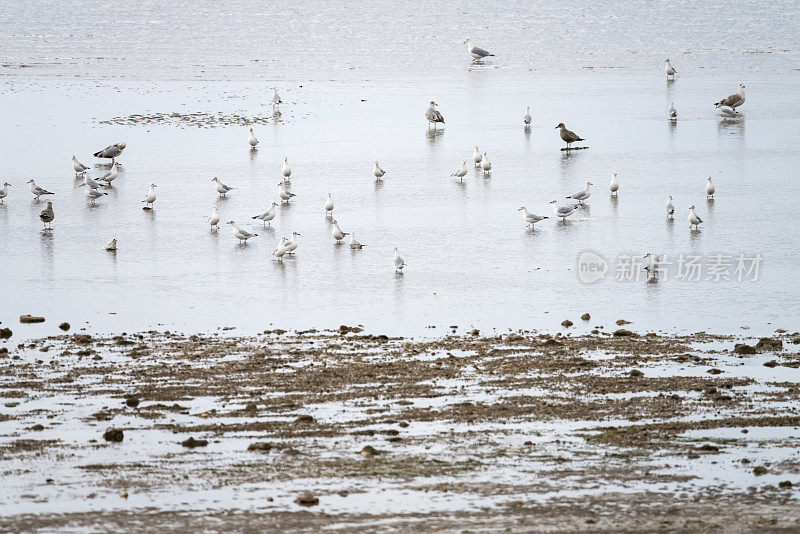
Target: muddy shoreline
{"points": [[360, 432]]}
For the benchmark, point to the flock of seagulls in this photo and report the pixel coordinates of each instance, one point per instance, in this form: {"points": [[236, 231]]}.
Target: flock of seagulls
{"points": [[726, 108]]}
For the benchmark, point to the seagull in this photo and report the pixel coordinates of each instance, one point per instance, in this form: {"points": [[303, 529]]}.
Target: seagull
{"points": [[530, 218], [377, 171], [562, 211], [241, 235], [276, 99], [329, 206], [486, 164], [726, 112], [355, 245], [477, 157], [284, 193], [710, 188], [580, 196], [214, 219], [433, 115], [93, 194], [252, 139], [111, 175], [79, 167], [281, 250], [652, 266], [669, 69], [111, 151], [460, 173], [398, 262], [733, 101], [292, 243], [336, 232], [112, 247], [694, 219], [38, 191], [670, 207], [150, 198], [475, 52], [286, 170], [268, 215], [568, 136], [4, 191], [222, 189], [614, 185], [673, 114], [47, 216], [89, 182], [527, 118]]}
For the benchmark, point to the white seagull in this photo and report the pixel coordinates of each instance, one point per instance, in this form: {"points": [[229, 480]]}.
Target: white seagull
{"points": [[694, 219], [252, 139], [710, 188], [284, 193], [214, 219], [93, 194], [726, 112], [670, 207], [580, 196], [530, 218], [281, 250], [398, 262], [329, 206], [672, 112], [377, 171], [336, 232], [475, 52], [4, 191], [614, 185], [669, 69], [111, 175], [355, 245], [433, 115], [562, 211], [486, 164], [222, 189], [461, 172], [292, 243], [38, 191], [150, 198], [241, 235], [477, 157], [527, 118], [286, 170], [276, 99], [79, 167], [268, 215], [89, 182]]}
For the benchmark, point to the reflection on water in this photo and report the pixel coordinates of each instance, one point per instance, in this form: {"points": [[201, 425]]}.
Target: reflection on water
{"points": [[733, 126], [434, 133]]}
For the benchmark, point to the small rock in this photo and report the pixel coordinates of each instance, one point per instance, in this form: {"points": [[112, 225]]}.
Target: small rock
{"points": [[192, 443], [113, 434], [37, 428], [307, 499], [261, 446], [622, 332], [5, 333], [585, 317], [785, 484], [251, 407], [714, 371], [83, 339], [382, 338], [635, 373], [475, 332], [771, 363], [3, 351], [304, 419], [621, 322], [27, 319], [133, 402], [368, 451], [566, 323], [708, 448], [741, 348], [766, 344], [64, 326], [760, 470]]}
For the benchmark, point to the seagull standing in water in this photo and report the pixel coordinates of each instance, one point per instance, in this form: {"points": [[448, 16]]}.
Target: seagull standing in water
{"points": [[329, 206], [79, 167], [38, 191], [268, 215], [93, 194], [240, 234], [47, 216], [562, 211], [669, 69], [4, 191], [580, 196], [111, 151], [89, 182], [111, 175], [281, 250], [150, 198], [252, 139], [477, 157], [222, 189], [568, 136], [733, 101], [461, 172], [486, 165], [398, 262], [475, 52], [292, 243], [286, 170], [725, 112], [694, 219], [214, 219], [527, 118], [377, 171], [276, 98], [336, 232], [433, 116], [355, 245], [710, 188], [284, 193], [673, 113], [614, 185], [670, 208], [530, 218]]}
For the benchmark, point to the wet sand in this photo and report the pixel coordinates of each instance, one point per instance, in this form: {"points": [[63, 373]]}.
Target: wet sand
{"points": [[362, 432]]}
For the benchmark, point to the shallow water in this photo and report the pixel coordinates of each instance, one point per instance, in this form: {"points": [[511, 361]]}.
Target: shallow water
{"points": [[471, 262]]}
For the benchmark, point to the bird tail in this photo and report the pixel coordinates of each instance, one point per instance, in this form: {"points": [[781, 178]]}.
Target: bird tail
{"points": [[545, 217], [581, 139], [256, 217], [491, 55], [97, 154]]}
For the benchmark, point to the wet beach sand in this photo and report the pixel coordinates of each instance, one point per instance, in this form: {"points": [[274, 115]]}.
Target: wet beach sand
{"points": [[356, 432]]}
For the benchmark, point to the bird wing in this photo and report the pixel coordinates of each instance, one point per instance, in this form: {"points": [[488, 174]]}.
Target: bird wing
{"points": [[480, 52], [570, 136]]}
